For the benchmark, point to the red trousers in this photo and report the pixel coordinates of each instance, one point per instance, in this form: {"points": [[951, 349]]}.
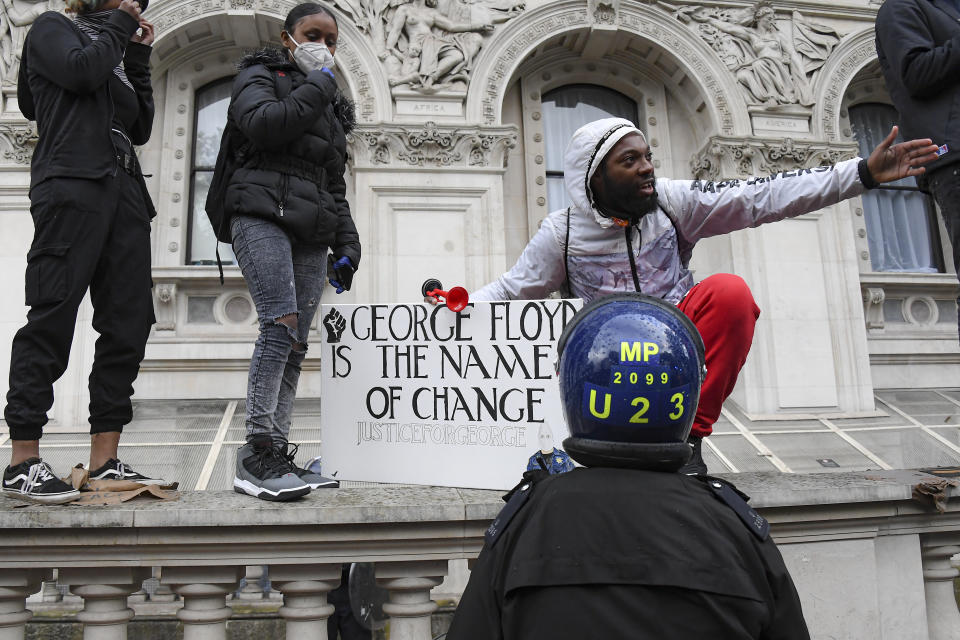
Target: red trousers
{"points": [[725, 313]]}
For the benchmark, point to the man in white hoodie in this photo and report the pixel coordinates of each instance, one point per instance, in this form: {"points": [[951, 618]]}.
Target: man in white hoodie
{"points": [[630, 231]]}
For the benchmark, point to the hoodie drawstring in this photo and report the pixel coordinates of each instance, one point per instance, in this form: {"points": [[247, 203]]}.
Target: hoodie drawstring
{"points": [[633, 263]]}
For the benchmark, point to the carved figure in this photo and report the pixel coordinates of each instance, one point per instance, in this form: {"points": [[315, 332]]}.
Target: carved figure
{"points": [[14, 22], [774, 67], [438, 48]]}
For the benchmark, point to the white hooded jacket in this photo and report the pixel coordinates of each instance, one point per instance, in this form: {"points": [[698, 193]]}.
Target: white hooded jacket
{"points": [[597, 256]]}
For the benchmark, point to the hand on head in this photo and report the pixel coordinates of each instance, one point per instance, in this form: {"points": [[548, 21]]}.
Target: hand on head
{"points": [[130, 7], [145, 35], [889, 162]]}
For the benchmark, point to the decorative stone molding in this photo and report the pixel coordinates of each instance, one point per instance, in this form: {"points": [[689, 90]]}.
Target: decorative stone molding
{"points": [[873, 298], [676, 43], [744, 157], [433, 145], [355, 59], [846, 61], [166, 309], [604, 12], [17, 141]]}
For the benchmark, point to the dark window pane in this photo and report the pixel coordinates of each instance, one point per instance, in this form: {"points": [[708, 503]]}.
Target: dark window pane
{"points": [[211, 118], [901, 227], [565, 110]]}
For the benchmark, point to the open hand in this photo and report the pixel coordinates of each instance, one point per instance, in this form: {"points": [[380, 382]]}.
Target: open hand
{"points": [[889, 162], [146, 34]]}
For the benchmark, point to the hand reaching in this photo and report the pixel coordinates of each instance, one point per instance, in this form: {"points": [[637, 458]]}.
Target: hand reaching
{"points": [[889, 162]]}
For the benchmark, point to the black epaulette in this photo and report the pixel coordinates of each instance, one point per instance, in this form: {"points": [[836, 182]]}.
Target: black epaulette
{"points": [[737, 500], [515, 500]]}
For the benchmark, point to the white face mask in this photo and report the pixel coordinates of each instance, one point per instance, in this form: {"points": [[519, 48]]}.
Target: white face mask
{"points": [[312, 55]]}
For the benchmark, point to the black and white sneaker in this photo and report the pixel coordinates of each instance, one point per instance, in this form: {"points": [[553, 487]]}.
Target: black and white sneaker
{"points": [[263, 472], [307, 474], [113, 469], [34, 481]]}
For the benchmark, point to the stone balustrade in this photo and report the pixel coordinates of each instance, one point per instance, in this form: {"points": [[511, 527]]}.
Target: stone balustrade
{"points": [[870, 561]]}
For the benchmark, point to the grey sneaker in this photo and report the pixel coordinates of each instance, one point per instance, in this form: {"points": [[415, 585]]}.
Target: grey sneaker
{"points": [[34, 481], [263, 472], [311, 472]]}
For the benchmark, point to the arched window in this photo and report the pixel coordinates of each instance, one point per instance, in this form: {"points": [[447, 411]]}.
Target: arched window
{"points": [[901, 224], [211, 102], [566, 109]]}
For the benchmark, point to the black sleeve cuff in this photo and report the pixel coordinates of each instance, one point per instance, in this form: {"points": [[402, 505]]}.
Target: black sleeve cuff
{"points": [[865, 177]]}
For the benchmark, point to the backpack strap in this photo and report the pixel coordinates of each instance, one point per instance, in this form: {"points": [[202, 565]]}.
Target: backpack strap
{"points": [[566, 257]]}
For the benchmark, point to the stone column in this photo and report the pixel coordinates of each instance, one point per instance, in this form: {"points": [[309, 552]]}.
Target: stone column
{"points": [[252, 589], [410, 606], [305, 588], [15, 586], [943, 616], [104, 591], [204, 591]]}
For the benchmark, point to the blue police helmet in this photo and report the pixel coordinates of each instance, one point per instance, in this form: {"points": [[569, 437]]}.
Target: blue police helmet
{"points": [[630, 369]]}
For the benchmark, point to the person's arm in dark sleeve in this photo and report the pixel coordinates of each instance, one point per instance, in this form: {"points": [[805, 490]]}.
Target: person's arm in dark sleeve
{"points": [[347, 239], [924, 68], [136, 63], [786, 615], [269, 122], [478, 615], [57, 54]]}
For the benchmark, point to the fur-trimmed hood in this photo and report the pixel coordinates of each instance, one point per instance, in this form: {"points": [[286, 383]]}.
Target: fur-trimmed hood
{"points": [[274, 58]]}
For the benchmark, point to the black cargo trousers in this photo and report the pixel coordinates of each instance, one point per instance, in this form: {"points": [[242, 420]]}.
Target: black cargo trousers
{"points": [[88, 234]]}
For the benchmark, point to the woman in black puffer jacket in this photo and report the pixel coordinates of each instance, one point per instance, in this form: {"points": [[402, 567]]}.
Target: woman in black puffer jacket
{"points": [[287, 208]]}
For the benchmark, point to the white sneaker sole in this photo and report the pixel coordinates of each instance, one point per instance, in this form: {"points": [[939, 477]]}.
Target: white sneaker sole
{"points": [[145, 481], [57, 498], [247, 487]]}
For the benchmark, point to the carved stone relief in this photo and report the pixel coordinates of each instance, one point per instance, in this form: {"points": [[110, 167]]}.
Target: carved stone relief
{"points": [[745, 157], [840, 78], [775, 66], [17, 141], [428, 45], [16, 16], [432, 145]]}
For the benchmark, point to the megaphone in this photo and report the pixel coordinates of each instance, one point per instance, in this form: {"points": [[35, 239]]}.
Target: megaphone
{"points": [[456, 298]]}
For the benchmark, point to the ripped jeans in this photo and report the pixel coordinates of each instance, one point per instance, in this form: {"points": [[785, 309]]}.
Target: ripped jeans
{"points": [[285, 281]]}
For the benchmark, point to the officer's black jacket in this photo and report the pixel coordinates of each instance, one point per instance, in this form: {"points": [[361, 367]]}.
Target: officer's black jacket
{"points": [[615, 553]]}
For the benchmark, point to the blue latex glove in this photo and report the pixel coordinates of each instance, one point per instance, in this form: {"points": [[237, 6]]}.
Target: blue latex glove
{"points": [[328, 72], [340, 272]]}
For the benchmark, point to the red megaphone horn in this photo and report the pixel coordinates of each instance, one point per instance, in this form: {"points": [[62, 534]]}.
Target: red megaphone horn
{"points": [[456, 298]]}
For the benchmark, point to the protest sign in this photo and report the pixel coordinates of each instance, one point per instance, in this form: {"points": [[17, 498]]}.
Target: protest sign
{"points": [[413, 393]]}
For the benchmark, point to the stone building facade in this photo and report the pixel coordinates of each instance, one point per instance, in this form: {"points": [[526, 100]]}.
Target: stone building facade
{"points": [[464, 108]]}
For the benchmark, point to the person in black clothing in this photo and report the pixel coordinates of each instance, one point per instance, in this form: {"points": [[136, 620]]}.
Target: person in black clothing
{"points": [[918, 45], [627, 547], [290, 223], [86, 81]]}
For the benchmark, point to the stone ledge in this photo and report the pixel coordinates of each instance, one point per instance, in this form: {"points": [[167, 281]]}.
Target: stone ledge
{"points": [[422, 505]]}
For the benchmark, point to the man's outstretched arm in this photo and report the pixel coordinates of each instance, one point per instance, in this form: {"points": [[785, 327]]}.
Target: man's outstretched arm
{"points": [[706, 208], [538, 272]]}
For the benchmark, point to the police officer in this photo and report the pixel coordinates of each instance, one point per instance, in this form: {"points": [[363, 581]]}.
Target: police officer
{"points": [[626, 547]]}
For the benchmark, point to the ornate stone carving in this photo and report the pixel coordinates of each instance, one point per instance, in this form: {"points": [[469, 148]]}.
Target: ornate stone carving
{"points": [[775, 67], [745, 157], [16, 16], [17, 141], [873, 299], [604, 11], [430, 45], [166, 310], [840, 78], [497, 79], [433, 145], [647, 28]]}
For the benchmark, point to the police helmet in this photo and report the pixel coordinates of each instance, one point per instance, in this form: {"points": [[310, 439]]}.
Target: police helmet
{"points": [[630, 369]]}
